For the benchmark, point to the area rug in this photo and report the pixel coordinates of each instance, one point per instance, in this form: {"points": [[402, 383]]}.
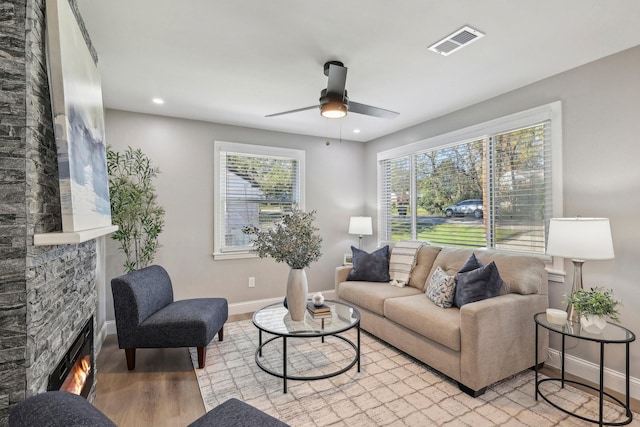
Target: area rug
{"points": [[392, 389]]}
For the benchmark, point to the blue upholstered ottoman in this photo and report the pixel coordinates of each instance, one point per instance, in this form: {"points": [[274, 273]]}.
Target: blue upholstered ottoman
{"points": [[235, 413], [57, 408], [63, 409]]}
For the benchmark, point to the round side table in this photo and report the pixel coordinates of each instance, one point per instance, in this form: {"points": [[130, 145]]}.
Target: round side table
{"points": [[612, 334]]}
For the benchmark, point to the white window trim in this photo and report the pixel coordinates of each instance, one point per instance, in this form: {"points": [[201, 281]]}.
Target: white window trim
{"points": [[551, 111], [218, 208]]}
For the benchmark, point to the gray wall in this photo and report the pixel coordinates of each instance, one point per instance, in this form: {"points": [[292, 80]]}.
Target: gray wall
{"points": [[183, 150], [601, 148]]}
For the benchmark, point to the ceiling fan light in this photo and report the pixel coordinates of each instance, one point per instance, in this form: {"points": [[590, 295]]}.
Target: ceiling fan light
{"points": [[333, 110]]}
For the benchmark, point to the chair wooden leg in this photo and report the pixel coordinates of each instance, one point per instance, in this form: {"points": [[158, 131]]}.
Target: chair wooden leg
{"points": [[130, 353], [221, 333], [202, 355]]}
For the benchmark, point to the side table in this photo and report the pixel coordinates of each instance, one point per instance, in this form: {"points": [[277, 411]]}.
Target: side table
{"points": [[612, 334]]}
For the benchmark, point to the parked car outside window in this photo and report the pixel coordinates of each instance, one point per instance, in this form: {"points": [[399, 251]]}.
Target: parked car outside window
{"points": [[465, 207]]}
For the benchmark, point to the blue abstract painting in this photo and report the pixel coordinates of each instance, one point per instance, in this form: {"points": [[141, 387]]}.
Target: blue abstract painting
{"points": [[78, 123]]}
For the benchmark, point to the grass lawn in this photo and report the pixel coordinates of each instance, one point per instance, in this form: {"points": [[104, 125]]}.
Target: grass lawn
{"points": [[465, 235]]}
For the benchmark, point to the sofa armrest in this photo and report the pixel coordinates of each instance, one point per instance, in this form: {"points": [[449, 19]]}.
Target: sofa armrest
{"points": [[341, 275], [498, 338]]}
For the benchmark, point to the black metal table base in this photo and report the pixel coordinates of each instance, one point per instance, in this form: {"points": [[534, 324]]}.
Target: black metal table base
{"points": [[285, 377], [625, 406]]}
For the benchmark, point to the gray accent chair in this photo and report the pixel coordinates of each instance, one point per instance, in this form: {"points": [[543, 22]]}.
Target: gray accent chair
{"points": [[148, 317], [64, 409]]}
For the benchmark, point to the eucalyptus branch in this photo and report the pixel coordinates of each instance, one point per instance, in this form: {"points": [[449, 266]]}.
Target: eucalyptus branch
{"points": [[294, 241]]}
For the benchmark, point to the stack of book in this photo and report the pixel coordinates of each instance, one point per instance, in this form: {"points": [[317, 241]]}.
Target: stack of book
{"points": [[319, 311]]}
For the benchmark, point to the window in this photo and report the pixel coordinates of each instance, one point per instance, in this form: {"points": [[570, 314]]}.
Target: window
{"points": [[493, 185], [255, 185]]}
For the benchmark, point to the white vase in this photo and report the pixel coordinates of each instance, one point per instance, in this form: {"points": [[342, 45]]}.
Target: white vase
{"points": [[594, 324], [297, 289]]}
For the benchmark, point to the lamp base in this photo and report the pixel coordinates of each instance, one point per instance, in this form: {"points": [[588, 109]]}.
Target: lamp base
{"points": [[573, 315]]}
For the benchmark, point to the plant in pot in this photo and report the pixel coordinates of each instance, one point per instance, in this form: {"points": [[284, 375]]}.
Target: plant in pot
{"points": [[134, 206], [595, 306], [295, 241]]}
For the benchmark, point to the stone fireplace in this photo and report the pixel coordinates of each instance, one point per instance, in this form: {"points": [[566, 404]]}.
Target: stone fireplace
{"points": [[47, 293]]}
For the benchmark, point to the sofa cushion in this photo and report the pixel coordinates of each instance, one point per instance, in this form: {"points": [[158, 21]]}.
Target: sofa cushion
{"points": [[370, 267], [522, 274], [426, 255], [371, 295], [441, 288], [478, 284], [419, 314]]}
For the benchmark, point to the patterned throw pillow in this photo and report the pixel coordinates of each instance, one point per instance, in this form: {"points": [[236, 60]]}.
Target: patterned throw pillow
{"points": [[441, 288]]}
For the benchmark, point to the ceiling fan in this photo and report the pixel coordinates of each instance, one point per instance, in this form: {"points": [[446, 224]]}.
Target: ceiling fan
{"points": [[334, 102]]}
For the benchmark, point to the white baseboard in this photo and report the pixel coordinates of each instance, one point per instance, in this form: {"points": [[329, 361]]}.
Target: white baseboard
{"points": [[255, 305], [613, 380], [235, 308]]}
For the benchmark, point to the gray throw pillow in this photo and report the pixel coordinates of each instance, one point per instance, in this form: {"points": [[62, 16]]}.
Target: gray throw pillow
{"points": [[370, 267], [471, 264], [479, 284]]}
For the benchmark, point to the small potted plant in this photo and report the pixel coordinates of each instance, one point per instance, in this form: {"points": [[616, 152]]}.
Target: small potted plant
{"points": [[595, 306]]}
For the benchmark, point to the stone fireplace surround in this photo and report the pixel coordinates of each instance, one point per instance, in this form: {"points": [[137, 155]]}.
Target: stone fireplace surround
{"points": [[47, 293]]}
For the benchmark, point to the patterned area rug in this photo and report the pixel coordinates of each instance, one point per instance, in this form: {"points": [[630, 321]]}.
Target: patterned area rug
{"points": [[392, 389]]}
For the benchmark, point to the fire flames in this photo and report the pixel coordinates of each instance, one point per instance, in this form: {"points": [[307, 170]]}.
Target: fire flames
{"points": [[78, 376]]}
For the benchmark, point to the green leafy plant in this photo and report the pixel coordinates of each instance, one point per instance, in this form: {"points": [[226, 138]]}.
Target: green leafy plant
{"points": [[294, 240], [134, 206], [595, 302]]}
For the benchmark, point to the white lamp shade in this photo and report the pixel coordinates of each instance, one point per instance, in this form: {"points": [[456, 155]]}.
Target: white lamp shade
{"points": [[360, 225], [580, 238]]}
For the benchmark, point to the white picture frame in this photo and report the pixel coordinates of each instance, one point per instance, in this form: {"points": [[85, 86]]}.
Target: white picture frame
{"points": [[348, 259]]}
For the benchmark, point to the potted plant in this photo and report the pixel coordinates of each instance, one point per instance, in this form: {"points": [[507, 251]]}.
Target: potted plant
{"points": [[595, 306], [295, 241], [134, 206]]}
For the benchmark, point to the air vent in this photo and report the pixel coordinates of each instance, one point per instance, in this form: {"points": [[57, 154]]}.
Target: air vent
{"points": [[453, 42]]}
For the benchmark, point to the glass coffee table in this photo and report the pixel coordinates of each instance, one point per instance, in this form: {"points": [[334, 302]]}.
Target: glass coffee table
{"points": [[274, 319]]}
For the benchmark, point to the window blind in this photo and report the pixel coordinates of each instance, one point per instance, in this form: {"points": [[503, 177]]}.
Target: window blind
{"points": [[490, 191], [255, 190]]}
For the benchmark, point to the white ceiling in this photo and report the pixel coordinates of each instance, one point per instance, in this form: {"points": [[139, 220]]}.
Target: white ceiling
{"points": [[235, 61]]}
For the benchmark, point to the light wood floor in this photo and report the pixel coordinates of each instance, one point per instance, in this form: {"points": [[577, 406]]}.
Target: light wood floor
{"points": [[163, 391]]}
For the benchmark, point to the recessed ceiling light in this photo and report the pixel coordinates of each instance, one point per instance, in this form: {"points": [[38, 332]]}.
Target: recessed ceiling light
{"points": [[158, 101], [356, 131]]}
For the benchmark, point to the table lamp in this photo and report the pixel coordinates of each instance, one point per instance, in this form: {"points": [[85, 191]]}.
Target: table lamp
{"points": [[360, 225], [579, 239]]}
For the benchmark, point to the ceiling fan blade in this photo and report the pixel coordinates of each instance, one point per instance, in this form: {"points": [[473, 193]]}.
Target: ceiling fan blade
{"points": [[355, 107], [337, 80], [294, 111]]}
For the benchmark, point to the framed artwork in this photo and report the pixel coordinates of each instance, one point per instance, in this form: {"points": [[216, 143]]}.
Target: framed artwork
{"points": [[348, 259], [78, 119]]}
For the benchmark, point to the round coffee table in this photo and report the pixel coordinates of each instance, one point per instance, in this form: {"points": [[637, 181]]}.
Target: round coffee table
{"points": [[274, 319]]}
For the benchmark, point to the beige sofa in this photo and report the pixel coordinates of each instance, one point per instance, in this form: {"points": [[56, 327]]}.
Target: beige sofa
{"points": [[476, 345]]}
